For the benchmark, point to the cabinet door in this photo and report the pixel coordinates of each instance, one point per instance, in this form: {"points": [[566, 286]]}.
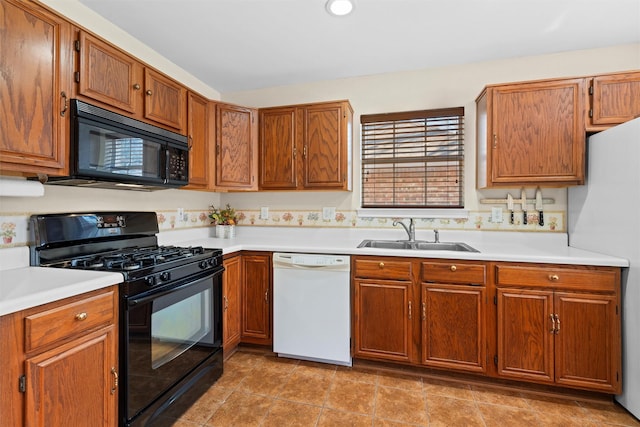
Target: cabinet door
{"points": [[35, 88], [615, 99], [453, 326], [74, 384], [236, 148], [525, 334], [231, 288], [256, 294], [325, 148], [278, 153], [108, 75], [198, 133], [165, 101], [538, 133], [383, 318], [587, 354]]}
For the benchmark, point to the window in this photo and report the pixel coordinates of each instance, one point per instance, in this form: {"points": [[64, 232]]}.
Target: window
{"points": [[413, 159]]}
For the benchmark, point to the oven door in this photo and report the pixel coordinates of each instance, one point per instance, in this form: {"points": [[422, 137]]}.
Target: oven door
{"points": [[169, 333]]}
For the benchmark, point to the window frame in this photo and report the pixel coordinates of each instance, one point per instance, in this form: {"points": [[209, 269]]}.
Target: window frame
{"points": [[454, 145]]}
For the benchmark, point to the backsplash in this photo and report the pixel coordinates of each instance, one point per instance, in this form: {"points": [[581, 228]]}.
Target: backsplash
{"points": [[13, 226]]}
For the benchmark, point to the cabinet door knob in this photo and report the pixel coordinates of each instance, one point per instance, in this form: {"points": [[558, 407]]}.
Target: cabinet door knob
{"points": [[81, 316], [136, 86], [553, 277], [453, 268], [381, 265], [149, 92], [115, 379]]}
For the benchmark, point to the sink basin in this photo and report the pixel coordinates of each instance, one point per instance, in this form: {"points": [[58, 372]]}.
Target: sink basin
{"points": [[419, 245]]}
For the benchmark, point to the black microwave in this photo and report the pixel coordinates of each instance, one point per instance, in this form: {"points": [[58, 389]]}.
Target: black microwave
{"points": [[109, 150]]}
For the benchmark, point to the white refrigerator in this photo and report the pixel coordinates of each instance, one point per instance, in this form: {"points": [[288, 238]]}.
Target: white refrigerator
{"points": [[603, 217]]}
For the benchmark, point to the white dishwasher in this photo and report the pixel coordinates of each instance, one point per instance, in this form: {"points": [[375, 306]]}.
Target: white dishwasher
{"points": [[311, 307]]}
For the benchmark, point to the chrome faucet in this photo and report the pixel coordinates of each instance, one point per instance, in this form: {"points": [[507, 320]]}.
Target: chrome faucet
{"points": [[411, 230], [437, 234]]}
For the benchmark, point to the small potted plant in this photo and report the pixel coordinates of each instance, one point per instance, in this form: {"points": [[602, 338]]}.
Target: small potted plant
{"points": [[224, 220]]}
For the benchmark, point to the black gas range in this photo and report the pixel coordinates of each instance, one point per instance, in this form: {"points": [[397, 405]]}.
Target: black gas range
{"points": [[170, 305]]}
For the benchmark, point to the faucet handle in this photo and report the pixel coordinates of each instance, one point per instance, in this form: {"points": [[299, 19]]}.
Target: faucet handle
{"points": [[437, 234]]}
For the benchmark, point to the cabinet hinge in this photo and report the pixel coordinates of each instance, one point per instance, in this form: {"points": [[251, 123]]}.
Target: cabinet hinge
{"points": [[76, 45], [76, 76], [495, 300], [22, 384], [495, 360], [590, 112], [590, 90]]}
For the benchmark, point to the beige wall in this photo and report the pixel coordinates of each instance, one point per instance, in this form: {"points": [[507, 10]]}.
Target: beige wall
{"points": [[430, 88], [452, 86]]}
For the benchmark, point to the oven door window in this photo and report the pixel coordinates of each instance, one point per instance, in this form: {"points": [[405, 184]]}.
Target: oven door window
{"points": [[112, 152], [168, 335]]}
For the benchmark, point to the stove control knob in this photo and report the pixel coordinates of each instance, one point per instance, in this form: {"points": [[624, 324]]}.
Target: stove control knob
{"points": [[203, 264], [212, 262], [164, 276], [151, 280]]}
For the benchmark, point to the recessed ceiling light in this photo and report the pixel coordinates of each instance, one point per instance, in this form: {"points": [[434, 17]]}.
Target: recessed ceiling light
{"points": [[339, 7]]}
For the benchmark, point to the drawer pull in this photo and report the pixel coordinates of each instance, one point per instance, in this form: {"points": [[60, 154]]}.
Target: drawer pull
{"points": [[115, 380], [409, 310], [81, 316], [381, 265], [453, 268], [554, 277]]}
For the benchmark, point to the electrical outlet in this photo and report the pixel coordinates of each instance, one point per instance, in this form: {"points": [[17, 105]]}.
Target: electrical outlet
{"points": [[180, 214], [496, 214], [264, 212], [328, 213]]}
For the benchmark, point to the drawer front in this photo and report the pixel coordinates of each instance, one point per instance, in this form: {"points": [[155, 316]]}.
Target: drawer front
{"points": [[382, 268], [559, 277], [454, 272], [68, 320]]}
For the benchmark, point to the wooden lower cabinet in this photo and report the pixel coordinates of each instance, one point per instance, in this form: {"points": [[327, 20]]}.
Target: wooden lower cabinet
{"points": [[256, 298], [63, 355], [453, 326], [231, 295], [383, 314], [564, 331]]}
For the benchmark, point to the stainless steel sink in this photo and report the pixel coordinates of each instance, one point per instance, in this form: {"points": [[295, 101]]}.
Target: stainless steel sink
{"points": [[418, 245]]}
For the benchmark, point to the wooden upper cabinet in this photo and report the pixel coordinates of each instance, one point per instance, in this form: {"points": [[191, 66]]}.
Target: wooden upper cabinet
{"points": [[615, 99], [109, 77], [326, 147], [198, 130], [531, 134], [107, 74], [277, 148], [164, 100], [236, 148], [306, 146], [35, 89]]}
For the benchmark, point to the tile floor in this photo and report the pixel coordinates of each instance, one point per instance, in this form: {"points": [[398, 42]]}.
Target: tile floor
{"points": [[263, 390]]}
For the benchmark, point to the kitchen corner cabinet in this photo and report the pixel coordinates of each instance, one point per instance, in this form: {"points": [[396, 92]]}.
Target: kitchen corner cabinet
{"points": [[306, 147], [198, 132], [114, 79], [531, 133], [231, 298], [236, 148], [35, 89], [614, 99], [559, 325], [453, 307], [384, 309], [256, 297], [60, 362]]}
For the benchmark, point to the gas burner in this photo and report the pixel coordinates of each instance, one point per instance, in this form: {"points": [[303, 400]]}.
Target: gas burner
{"points": [[93, 262]]}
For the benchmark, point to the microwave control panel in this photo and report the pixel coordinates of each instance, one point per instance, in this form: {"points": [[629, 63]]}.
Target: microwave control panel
{"points": [[177, 164]]}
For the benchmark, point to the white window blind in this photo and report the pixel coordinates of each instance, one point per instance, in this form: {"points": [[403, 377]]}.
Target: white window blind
{"points": [[413, 159]]}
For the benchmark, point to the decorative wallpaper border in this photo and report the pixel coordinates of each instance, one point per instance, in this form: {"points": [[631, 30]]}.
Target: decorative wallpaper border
{"points": [[13, 226]]}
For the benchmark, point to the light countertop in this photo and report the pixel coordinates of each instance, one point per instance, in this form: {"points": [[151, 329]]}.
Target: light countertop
{"points": [[22, 286]]}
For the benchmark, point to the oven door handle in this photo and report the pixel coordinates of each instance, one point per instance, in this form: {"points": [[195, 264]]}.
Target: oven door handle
{"points": [[153, 295]]}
